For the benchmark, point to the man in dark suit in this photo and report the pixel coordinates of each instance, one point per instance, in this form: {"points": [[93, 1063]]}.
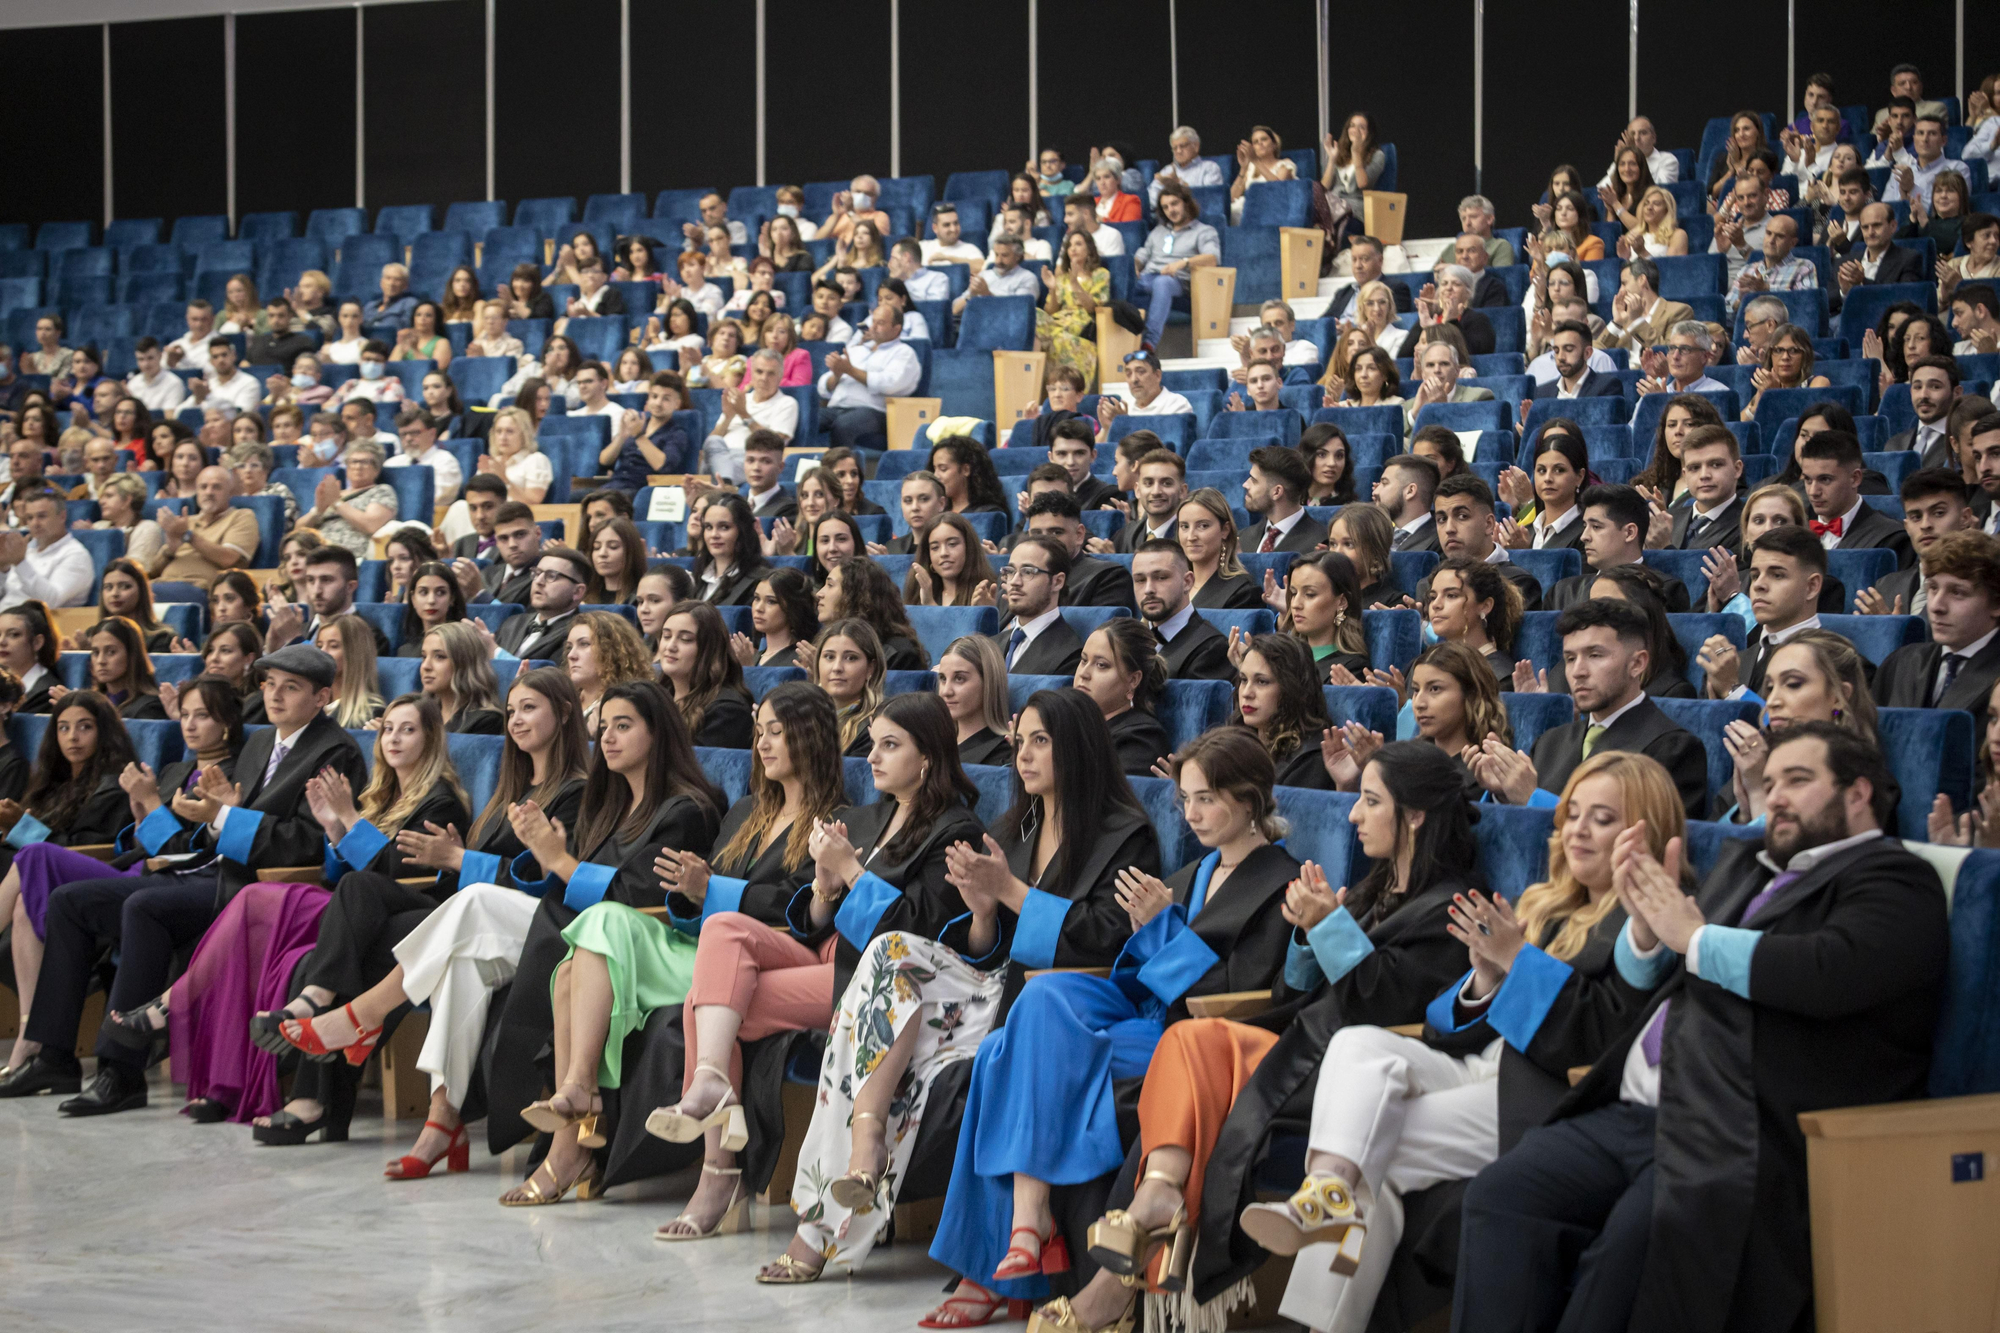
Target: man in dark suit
{"points": [[517, 545], [329, 584], [1878, 261], [1163, 580], [1276, 489], [1787, 570], [1934, 507], [1463, 513], [923, 499], [1073, 448], [1957, 668], [1404, 492], [257, 821], [1615, 520], [556, 595], [1366, 258], [1934, 390], [1711, 514], [1037, 641], [1668, 1189], [1160, 490], [1830, 467], [1606, 662], [1055, 516], [1569, 347], [1488, 289], [484, 494], [763, 468]]}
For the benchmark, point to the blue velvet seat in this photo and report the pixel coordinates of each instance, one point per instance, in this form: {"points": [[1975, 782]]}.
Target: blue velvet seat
{"points": [[1394, 637], [727, 769], [908, 682], [1932, 752], [1320, 832], [1532, 714], [1373, 706], [937, 626], [996, 790], [478, 761], [1022, 688], [1549, 567], [762, 680], [1875, 637], [1163, 805], [1707, 718], [1513, 846], [1250, 622], [1705, 839], [1190, 707]]}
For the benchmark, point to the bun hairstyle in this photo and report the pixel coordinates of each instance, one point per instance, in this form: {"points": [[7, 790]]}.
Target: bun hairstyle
{"points": [[1133, 645], [1236, 765], [1420, 777]]}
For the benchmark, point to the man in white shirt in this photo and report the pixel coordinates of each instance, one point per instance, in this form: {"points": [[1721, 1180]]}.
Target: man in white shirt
{"points": [[1080, 214], [906, 264], [1640, 134], [191, 348], [45, 563], [417, 432], [1016, 221], [1144, 394], [1570, 309], [358, 416], [1739, 227], [227, 383], [948, 245], [763, 406], [1912, 179], [593, 385], [1188, 166], [1298, 351], [859, 382], [1006, 277], [714, 213], [159, 389]]}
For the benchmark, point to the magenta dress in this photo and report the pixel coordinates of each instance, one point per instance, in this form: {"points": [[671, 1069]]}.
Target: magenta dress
{"points": [[242, 966], [46, 867]]}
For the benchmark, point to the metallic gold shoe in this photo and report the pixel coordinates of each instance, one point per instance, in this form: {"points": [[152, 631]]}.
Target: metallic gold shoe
{"points": [[1119, 1244], [1323, 1211], [1058, 1317], [735, 1217], [785, 1271]]}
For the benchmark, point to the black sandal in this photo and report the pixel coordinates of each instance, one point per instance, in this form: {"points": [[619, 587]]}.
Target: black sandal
{"points": [[206, 1111], [131, 1030], [288, 1131], [264, 1034]]}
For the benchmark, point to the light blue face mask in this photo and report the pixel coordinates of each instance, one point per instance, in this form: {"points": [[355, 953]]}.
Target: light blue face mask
{"points": [[1430, 635], [326, 449], [788, 210], [304, 381], [373, 370]]}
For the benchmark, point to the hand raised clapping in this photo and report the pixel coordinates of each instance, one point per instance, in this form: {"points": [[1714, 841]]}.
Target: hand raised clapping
{"points": [[1142, 896]]}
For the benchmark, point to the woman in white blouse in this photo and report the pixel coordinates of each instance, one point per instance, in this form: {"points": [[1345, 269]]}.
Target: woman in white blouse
{"points": [[515, 456], [122, 500], [346, 349], [493, 339], [1375, 308]]}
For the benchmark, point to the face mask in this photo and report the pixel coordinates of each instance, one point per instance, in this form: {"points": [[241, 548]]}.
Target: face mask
{"points": [[788, 210], [373, 370], [304, 381], [863, 200], [325, 449], [6, 365]]}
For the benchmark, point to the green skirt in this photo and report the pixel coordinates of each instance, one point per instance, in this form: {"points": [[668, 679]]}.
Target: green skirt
{"points": [[651, 966]]}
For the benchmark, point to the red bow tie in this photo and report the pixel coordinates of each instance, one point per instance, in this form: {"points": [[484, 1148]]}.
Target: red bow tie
{"points": [[1820, 529]]}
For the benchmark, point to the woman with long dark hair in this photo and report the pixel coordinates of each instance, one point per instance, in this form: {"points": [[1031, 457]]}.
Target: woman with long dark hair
{"points": [[1122, 672], [1547, 514], [704, 677], [617, 563], [971, 486], [433, 598], [836, 539], [1471, 603], [1363, 534], [122, 671], [1378, 953], [1278, 696], [1685, 412], [452, 943], [402, 553], [126, 592], [1321, 604], [1325, 448], [862, 590], [1454, 701], [784, 611], [30, 649], [231, 652], [729, 558], [1041, 1108], [950, 566]]}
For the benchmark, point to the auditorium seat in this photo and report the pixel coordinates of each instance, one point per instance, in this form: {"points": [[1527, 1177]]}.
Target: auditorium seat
{"points": [[727, 769], [1875, 637], [1190, 707], [1513, 846], [1549, 567], [1162, 800], [937, 626], [762, 680], [1532, 714], [1320, 831], [1694, 628], [1394, 638], [1932, 752], [996, 790], [1373, 706], [1707, 718]]}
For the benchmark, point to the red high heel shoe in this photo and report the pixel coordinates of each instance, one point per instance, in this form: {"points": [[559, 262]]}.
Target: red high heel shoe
{"points": [[302, 1035], [1017, 1262], [457, 1156]]}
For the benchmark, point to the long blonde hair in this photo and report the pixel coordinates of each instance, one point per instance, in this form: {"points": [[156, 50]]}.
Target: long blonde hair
{"points": [[1217, 504], [1662, 235], [1648, 793], [473, 683], [357, 694], [386, 802]]}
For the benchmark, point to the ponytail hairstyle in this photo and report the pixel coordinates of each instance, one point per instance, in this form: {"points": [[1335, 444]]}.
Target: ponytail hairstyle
{"points": [[1135, 649], [1236, 765]]}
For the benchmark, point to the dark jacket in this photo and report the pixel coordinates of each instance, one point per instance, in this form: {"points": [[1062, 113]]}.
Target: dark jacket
{"points": [[1305, 536], [546, 645], [506, 850], [1874, 530], [726, 722], [1901, 583], [1140, 741], [1132, 534], [1229, 592], [1239, 921], [1199, 652], [383, 856], [1094, 582], [1724, 529], [763, 887], [1642, 729], [735, 588], [1908, 675], [15, 769], [1576, 588], [986, 746], [1900, 263], [1477, 329], [1053, 652], [1596, 384], [476, 722]]}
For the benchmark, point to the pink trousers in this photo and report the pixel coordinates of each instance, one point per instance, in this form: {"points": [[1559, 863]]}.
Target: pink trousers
{"points": [[775, 982]]}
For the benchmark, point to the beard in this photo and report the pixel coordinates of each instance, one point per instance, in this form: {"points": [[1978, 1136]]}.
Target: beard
{"points": [[1800, 833]]}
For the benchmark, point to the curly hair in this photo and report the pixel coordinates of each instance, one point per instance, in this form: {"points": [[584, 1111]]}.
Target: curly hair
{"points": [[1301, 714]]}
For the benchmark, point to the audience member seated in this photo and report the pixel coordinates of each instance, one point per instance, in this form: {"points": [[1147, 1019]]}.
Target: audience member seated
{"points": [[1935, 505], [972, 681], [1958, 667], [1547, 513], [1035, 639], [1178, 243], [950, 566], [1123, 673], [860, 380], [43, 562], [1615, 522], [783, 613], [1831, 472]]}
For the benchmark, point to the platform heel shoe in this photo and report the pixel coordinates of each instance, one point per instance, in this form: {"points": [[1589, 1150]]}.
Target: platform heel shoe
{"points": [[1323, 1211], [1120, 1245]]}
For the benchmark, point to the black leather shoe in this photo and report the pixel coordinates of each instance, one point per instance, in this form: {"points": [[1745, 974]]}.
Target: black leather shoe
{"points": [[112, 1090], [42, 1075]]}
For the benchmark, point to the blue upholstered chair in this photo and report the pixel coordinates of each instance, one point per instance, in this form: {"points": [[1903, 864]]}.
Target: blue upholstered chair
{"points": [[1532, 714], [727, 769], [937, 626], [1707, 718], [762, 680], [1513, 846]]}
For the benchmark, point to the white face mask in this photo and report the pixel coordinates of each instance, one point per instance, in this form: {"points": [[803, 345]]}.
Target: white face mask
{"points": [[788, 210], [373, 370], [304, 381], [863, 200], [326, 449]]}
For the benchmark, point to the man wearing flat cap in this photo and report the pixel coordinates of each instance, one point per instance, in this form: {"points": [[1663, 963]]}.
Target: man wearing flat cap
{"points": [[258, 821]]}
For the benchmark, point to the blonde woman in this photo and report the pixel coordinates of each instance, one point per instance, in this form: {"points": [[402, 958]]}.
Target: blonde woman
{"points": [[1788, 364], [781, 335], [1659, 231], [848, 663], [493, 339], [514, 454], [357, 688], [457, 671], [122, 501], [1375, 312], [1206, 530], [241, 311]]}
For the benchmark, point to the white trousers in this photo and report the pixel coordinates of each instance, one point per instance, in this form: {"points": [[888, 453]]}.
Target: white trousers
{"points": [[455, 960], [1410, 1117]]}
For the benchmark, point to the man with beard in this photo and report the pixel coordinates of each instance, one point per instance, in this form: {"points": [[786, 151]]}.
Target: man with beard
{"points": [[1668, 1190]]}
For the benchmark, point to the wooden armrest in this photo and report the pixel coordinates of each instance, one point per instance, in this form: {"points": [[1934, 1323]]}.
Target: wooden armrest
{"points": [[419, 879], [1408, 1029], [291, 874], [103, 851], [657, 913], [1086, 971], [1231, 1004], [1939, 1115], [1576, 1073]]}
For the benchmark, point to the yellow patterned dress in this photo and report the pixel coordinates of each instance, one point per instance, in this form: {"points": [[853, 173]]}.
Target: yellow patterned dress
{"points": [[1066, 327]]}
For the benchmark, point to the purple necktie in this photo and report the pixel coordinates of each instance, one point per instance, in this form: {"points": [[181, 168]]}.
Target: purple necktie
{"points": [[1656, 1030]]}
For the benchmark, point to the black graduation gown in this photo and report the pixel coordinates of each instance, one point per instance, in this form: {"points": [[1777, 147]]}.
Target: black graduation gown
{"points": [[986, 746], [171, 779], [1242, 923], [735, 589], [900, 653], [1849, 977], [1139, 740], [476, 722], [1305, 767], [726, 722], [1413, 960], [787, 656], [36, 700], [500, 842], [97, 821], [519, 1047], [1224, 592], [143, 708], [16, 767]]}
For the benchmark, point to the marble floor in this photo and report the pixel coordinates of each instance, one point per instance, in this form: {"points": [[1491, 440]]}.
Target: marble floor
{"points": [[146, 1221]]}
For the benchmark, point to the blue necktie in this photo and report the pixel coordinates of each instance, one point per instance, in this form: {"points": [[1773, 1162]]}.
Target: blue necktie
{"points": [[1014, 644]]}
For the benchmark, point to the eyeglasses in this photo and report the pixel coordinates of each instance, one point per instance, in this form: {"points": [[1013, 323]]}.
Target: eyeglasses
{"points": [[544, 575], [1684, 349], [1014, 573]]}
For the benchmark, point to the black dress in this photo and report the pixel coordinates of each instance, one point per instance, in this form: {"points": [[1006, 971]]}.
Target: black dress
{"points": [[476, 722], [143, 708], [160, 639], [1224, 592], [787, 656], [986, 746], [36, 700], [1382, 594], [726, 723], [14, 770], [1357, 665], [1305, 767], [902, 654], [1140, 741]]}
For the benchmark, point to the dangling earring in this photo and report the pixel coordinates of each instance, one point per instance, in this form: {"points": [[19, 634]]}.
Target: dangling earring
{"points": [[1836, 714]]}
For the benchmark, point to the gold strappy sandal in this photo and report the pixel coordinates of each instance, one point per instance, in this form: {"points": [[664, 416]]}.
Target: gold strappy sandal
{"points": [[735, 1217], [785, 1271], [857, 1189], [1119, 1244]]}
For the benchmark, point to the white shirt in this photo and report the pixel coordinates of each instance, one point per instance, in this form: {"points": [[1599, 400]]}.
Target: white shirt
{"points": [[59, 574], [1543, 367], [1017, 281], [1108, 240], [446, 474], [1545, 532], [779, 412], [892, 370], [927, 284], [1985, 146], [239, 389], [194, 351], [590, 301], [707, 298], [1032, 629], [1829, 540], [165, 392], [343, 352], [839, 330], [1165, 403], [1665, 167], [1201, 171], [1301, 352], [960, 251], [1970, 651], [914, 326], [607, 408], [761, 498]]}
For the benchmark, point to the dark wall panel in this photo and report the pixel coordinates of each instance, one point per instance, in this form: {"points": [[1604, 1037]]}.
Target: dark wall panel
{"points": [[169, 157], [56, 175], [1432, 134], [826, 86], [1238, 68], [1082, 109], [968, 114], [1536, 118], [684, 142], [1740, 72], [555, 113], [1847, 39], [274, 167], [426, 134]]}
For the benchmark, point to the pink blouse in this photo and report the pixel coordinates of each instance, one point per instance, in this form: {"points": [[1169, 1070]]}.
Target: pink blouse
{"points": [[798, 370]]}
